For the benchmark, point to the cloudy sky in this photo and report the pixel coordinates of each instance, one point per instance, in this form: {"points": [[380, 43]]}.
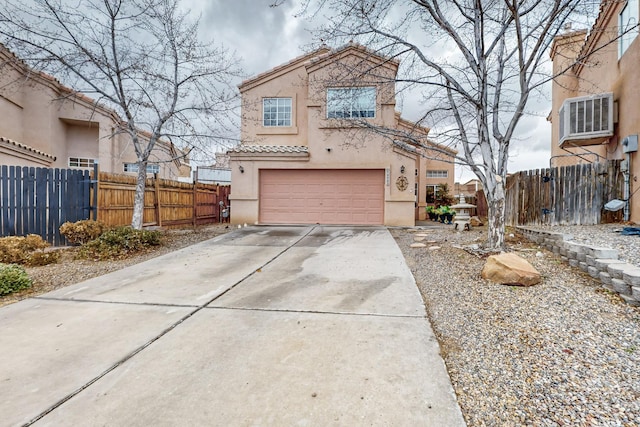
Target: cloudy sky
{"points": [[265, 37]]}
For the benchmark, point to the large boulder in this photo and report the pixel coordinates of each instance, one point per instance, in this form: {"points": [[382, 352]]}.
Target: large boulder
{"points": [[510, 269]]}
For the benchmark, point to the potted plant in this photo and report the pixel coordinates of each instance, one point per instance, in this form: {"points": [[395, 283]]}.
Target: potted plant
{"points": [[446, 214], [431, 212]]}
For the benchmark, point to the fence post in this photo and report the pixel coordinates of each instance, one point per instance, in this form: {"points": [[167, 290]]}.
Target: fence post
{"points": [[93, 207], [156, 193], [195, 203]]}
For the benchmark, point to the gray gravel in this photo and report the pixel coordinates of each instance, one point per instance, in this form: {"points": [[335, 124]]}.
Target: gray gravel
{"points": [[563, 353], [603, 235]]}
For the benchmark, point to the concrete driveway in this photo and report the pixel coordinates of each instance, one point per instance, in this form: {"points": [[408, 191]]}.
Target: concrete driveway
{"points": [[264, 326]]}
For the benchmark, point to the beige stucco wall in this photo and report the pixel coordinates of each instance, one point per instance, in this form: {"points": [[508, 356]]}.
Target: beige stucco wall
{"points": [[39, 112], [604, 72]]}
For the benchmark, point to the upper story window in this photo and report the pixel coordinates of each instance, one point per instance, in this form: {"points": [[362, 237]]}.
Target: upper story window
{"points": [[627, 26], [351, 102], [276, 111], [438, 174], [133, 167], [78, 162]]}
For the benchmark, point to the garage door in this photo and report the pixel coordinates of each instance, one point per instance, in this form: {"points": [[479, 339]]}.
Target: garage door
{"points": [[322, 196]]}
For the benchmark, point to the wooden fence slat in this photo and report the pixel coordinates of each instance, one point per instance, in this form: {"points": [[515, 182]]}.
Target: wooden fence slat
{"points": [[18, 211], [50, 230], [4, 199], [571, 195]]}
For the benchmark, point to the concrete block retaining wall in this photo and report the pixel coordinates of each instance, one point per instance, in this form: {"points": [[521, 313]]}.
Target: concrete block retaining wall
{"points": [[600, 263]]}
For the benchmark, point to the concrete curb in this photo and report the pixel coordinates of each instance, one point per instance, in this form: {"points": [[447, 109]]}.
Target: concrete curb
{"points": [[600, 263]]}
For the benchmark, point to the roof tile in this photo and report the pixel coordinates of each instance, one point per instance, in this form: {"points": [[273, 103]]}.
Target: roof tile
{"points": [[277, 149]]}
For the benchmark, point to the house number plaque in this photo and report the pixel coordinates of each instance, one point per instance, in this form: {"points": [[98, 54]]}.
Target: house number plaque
{"points": [[402, 183]]}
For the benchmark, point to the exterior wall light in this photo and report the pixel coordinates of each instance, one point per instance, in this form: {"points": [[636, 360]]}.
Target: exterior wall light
{"points": [[241, 169], [402, 169]]}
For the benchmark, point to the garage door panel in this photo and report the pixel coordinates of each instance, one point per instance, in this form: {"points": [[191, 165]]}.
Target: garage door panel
{"points": [[322, 196]]}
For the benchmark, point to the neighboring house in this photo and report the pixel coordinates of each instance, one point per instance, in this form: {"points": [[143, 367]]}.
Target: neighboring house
{"points": [[212, 175], [46, 124], [305, 157], [595, 113], [468, 189]]}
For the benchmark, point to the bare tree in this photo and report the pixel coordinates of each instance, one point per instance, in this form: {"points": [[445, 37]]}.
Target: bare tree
{"points": [[143, 58], [478, 63]]}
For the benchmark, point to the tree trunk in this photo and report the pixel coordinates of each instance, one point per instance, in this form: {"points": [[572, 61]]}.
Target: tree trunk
{"points": [[496, 204], [138, 200]]}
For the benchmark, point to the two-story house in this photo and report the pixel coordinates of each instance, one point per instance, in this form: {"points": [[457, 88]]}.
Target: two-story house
{"points": [[322, 143], [46, 124], [595, 114]]}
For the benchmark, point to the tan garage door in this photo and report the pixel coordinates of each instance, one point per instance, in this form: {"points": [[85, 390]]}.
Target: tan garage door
{"points": [[322, 196]]}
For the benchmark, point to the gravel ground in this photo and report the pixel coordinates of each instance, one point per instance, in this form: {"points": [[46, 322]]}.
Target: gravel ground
{"points": [[603, 235], [565, 352], [69, 270]]}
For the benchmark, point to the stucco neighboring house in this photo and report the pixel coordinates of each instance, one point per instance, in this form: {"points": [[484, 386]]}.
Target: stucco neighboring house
{"points": [[468, 189], [595, 114], [306, 156], [46, 124]]}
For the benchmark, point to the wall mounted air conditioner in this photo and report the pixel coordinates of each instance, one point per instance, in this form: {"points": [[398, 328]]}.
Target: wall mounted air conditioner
{"points": [[586, 120]]}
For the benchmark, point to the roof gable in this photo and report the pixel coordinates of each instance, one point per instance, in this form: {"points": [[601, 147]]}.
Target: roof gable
{"points": [[280, 69], [353, 50]]}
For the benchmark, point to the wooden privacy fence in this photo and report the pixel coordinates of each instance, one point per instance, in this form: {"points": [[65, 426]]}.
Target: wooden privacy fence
{"points": [[166, 203], [569, 195], [40, 200]]}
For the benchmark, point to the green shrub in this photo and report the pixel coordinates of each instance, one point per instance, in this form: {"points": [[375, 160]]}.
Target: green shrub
{"points": [[25, 250], [81, 232], [119, 242], [13, 278]]}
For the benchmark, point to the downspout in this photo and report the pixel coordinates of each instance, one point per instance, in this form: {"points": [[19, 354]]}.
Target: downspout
{"points": [[627, 183], [629, 145]]}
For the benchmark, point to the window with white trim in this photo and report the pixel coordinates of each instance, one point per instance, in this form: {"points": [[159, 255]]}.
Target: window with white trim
{"points": [[437, 174], [133, 167], [351, 102], [432, 193], [276, 112], [79, 162], [627, 26]]}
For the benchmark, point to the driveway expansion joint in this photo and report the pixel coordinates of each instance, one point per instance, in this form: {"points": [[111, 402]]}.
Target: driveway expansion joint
{"points": [[339, 313], [149, 304]]}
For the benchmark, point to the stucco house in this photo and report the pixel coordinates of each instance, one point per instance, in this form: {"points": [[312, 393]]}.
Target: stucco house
{"points": [[308, 153], [595, 114], [46, 124]]}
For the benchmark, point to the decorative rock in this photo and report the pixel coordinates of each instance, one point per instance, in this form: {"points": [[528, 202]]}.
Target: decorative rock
{"points": [[418, 245], [616, 270], [630, 300], [605, 278], [419, 238], [539, 254], [509, 269], [434, 248], [475, 221], [621, 287], [601, 264], [421, 235], [632, 276]]}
